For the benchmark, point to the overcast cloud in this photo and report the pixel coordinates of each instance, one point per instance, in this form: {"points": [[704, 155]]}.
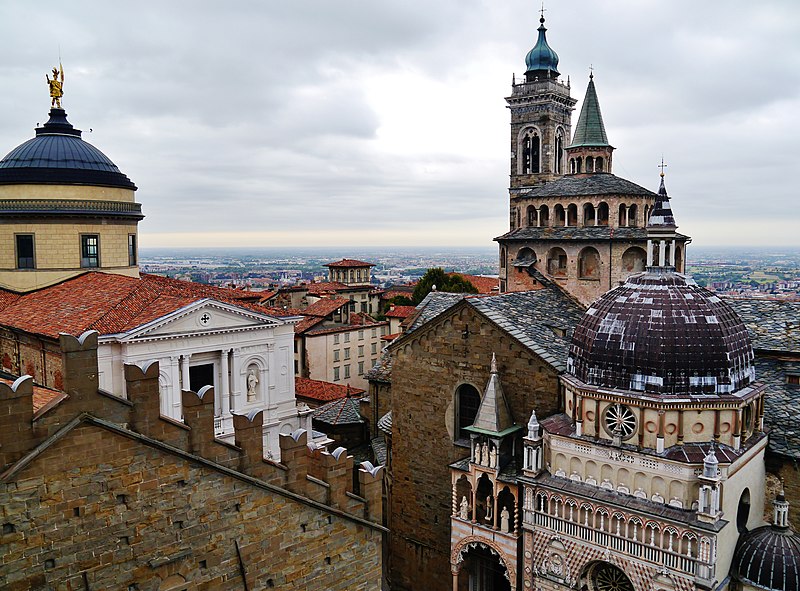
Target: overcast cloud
{"points": [[344, 122]]}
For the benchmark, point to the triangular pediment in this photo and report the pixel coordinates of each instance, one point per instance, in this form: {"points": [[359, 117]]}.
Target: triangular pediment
{"points": [[202, 317]]}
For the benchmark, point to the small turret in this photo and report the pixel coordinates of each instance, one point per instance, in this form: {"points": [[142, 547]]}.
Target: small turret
{"points": [[590, 151]]}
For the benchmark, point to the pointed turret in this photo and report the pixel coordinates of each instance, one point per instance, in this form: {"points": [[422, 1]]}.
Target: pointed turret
{"points": [[661, 233], [494, 415], [661, 214], [590, 151]]}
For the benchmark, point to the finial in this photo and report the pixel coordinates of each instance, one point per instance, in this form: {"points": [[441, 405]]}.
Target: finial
{"points": [[541, 13], [591, 72], [662, 166], [494, 364], [56, 85]]}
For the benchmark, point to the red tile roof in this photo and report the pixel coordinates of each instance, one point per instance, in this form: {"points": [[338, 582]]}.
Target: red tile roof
{"points": [[323, 391], [482, 284], [326, 287], [349, 263], [325, 307], [308, 322], [109, 303], [41, 396], [400, 311]]}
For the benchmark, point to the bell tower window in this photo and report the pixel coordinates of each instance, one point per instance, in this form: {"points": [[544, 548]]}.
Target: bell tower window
{"points": [[530, 152], [559, 152]]}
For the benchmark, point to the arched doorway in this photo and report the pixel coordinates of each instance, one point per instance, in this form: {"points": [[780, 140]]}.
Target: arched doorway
{"points": [[482, 569], [604, 576]]}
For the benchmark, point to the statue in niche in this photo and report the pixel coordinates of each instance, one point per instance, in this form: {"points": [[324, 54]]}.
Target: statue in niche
{"points": [[493, 457], [477, 453], [484, 455], [489, 515], [504, 520], [464, 509], [252, 385]]}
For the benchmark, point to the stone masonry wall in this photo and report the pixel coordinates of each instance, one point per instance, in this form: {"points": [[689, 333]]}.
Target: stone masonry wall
{"points": [[103, 511], [426, 372]]}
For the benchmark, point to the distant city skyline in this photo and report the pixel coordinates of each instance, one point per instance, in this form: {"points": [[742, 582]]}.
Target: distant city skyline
{"points": [[312, 123]]}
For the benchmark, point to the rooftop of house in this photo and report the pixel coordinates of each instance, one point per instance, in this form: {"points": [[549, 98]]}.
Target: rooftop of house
{"points": [[109, 303], [774, 325], [481, 283], [349, 263], [323, 391], [344, 411], [400, 312], [594, 233], [600, 183], [324, 307], [382, 370]]}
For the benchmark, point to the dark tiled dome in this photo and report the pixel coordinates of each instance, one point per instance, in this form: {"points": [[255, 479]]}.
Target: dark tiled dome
{"points": [[663, 334], [769, 557], [58, 155]]}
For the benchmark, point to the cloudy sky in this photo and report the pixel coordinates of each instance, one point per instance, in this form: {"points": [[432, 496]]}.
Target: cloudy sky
{"points": [[377, 123]]}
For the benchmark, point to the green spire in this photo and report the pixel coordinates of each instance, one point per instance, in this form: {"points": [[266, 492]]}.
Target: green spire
{"points": [[590, 130]]}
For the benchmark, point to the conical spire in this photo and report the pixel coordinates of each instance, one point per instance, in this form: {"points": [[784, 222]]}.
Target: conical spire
{"points": [[590, 130], [661, 214], [541, 61], [494, 415]]}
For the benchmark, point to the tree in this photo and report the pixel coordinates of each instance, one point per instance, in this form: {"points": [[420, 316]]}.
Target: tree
{"points": [[452, 283]]}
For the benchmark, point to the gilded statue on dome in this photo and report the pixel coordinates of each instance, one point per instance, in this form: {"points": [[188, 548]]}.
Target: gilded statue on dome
{"points": [[56, 86]]}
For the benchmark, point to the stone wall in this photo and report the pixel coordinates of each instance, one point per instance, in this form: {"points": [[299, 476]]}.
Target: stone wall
{"points": [[427, 369], [39, 357], [102, 492], [787, 472]]}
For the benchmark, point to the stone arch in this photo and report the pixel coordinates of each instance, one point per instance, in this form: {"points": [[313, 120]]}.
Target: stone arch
{"points": [[623, 215], [589, 263], [460, 550], [506, 500], [559, 216], [502, 257], [635, 529], [634, 260], [572, 215], [589, 164], [463, 488], [255, 390], [526, 255], [529, 150], [633, 211], [484, 500], [544, 216], [173, 583], [743, 510], [557, 262], [602, 214], [598, 164], [532, 217], [678, 259], [558, 163], [589, 215]]}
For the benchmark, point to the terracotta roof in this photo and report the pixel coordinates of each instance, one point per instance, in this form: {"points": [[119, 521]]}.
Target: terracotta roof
{"points": [[109, 303], [349, 263], [361, 319], [324, 307], [395, 291], [326, 287], [481, 283], [323, 391], [307, 323], [42, 396], [344, 328], [400, 311], [391, 337]]}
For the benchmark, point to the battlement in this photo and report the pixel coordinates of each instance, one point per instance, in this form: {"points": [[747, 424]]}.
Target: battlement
{"points": [[305, 469]]}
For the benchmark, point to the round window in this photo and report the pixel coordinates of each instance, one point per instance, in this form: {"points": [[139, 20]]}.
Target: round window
{"points": [[620, 419]]}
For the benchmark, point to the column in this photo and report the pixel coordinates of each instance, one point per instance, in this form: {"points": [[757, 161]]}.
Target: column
{"points": [[672, 254], [224, 383], [662, 253], [271, 372], [174, 395], [185, 372], [649, 253], [235, 382]]}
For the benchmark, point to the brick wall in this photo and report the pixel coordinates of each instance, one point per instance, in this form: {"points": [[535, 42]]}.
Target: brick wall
{"points": [[426, 371]]}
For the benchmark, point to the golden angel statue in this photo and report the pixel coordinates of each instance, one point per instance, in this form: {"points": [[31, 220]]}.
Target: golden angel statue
{"points": [[56, 86]]}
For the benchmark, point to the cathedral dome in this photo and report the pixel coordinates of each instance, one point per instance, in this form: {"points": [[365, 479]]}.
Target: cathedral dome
{"points": [[542, 60], [58, 156], [768, 558], [662, 334]]}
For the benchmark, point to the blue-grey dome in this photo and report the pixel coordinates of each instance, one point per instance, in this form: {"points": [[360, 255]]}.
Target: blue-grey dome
{"points": [[58, 156], [542, 61]]}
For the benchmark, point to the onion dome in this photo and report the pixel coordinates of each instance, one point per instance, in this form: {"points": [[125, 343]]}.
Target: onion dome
{"points": [[769, 557], [542, 61], [663, 334], [58, 156]]}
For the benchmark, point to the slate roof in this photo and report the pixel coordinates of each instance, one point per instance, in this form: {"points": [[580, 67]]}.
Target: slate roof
{"points": [[385, 423], [599, 183], [379, 450], [782, 407], [774, 325], [109, 303], [323, 391], [382, 370], [562, 233], [528, 316], [339, 412]]}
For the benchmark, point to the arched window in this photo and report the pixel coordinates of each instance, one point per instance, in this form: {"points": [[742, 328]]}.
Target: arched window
{"points": [[559, 151], [632, 211], [589, 215], [532, 216], [513, 218], [623, 215], [572, 167], [467, 402], [557, 262], [589, 164], [572, 215], [589, 264], [646, 214], [530, 152], [544, 216], [578, 165], [560, 215], [678, 259], [634, 260], [602, 214], [502, 258], [598, 164], [526, 256]]}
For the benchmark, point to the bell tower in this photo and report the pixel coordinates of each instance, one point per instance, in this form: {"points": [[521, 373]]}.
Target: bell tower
{"points": [[541, 110]]}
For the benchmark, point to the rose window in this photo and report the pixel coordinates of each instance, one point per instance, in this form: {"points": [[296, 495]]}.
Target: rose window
{"points": [[609, 578], [620, 419]]}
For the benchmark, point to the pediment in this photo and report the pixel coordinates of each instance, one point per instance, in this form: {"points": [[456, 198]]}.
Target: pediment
{"points": [[202, 317]]}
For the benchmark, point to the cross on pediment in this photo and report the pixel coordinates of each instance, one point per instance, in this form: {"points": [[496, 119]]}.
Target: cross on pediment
{"points": [[205, 318]]}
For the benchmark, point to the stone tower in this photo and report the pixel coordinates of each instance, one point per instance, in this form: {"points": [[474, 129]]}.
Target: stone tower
{"points": [[65, 209], [572, 221]]}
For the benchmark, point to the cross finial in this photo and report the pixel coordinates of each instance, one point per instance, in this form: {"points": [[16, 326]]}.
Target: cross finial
{"points": [[591, 72], [541, 12], [662, 166]]}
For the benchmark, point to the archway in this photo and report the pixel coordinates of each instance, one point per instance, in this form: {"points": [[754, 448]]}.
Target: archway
{"points": [[604, 576], [482, 569], [634, 260], [743, 511]]}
